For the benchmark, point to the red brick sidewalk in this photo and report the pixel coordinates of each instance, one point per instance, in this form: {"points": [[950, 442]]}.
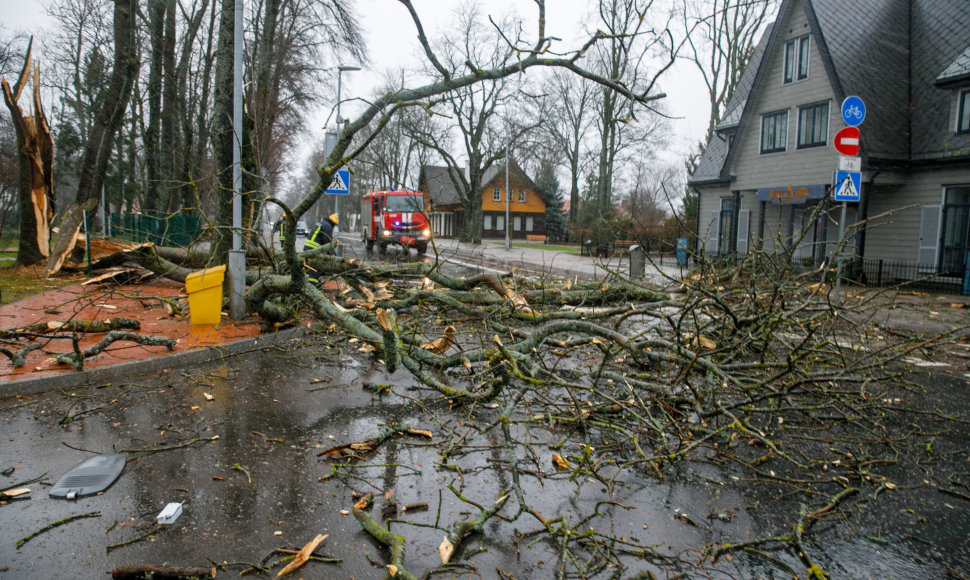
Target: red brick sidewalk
{"points": [[98, 303]]}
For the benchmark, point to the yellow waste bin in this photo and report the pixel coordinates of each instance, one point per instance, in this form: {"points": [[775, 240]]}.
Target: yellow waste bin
{"points": [[205, 294]]}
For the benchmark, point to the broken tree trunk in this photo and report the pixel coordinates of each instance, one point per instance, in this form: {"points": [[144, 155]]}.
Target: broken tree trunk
{"points": [[111, 114], [67, 235], [35, 155]]}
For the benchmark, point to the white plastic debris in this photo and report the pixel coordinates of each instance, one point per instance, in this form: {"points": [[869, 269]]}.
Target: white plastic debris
{"points": [[171, 513]]}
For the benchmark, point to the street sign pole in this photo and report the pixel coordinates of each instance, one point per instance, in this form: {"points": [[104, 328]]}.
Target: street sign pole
{"points": [[838, 255]]}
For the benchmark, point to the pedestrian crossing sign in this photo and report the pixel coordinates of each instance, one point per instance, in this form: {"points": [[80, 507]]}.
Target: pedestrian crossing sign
{"points": [[848, 185], [341, 183]]}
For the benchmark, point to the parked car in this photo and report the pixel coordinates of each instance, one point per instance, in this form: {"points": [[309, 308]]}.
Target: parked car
{"points": [[301, 229]]}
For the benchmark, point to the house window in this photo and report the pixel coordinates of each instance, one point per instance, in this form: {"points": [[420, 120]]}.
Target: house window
{"points": [[797, 53], [774, 132], [517, 224], [530, 223], [956, 231], [487, 225], [963, 112], [521, 196], [725, 226], [496, 194], [499, 223], [813, 125]]}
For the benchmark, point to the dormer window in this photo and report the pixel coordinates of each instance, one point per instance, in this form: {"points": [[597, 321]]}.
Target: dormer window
{"points": [[963, 112], [797, 53]]}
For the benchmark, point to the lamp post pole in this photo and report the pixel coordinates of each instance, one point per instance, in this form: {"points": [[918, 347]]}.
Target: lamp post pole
{"points": [[508, 190], [340, 71], [237, 256]]}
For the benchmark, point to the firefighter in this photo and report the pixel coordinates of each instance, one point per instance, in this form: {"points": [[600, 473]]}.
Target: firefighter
{"points": [[324, 233], [279, 226]]}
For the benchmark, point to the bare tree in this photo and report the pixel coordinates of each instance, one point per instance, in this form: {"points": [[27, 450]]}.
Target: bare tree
{"points": [[721, 36], [394, 158], [476, 110], [110, 116], [566, 118], [626, 51]]}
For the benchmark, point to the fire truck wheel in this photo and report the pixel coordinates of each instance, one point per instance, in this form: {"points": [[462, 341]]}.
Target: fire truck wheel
{"points": [[382, 249], [370, 245], [422, 248]]}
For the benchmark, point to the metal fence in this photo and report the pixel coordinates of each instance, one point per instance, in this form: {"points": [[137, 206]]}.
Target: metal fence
{"points": [[877, 273], [162, 230], [882, 273]]}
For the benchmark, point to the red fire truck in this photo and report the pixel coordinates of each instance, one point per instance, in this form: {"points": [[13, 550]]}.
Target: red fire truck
{"points": [[394, 217]]}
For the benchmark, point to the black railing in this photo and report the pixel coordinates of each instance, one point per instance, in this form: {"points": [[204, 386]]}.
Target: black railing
{"points": [[882, 273], [875, 273]]}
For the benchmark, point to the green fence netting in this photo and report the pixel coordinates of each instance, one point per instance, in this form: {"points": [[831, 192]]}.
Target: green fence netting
{"points": [[161, 230]]}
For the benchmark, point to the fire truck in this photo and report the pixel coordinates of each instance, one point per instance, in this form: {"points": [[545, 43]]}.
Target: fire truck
{"points": [[394, 217]]}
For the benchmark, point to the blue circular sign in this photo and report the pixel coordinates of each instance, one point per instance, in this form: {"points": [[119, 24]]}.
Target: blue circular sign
{"points": [[853, 111]]}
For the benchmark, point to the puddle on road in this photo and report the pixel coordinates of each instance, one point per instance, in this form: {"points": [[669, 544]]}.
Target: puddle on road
{"points": [[246, 465]]}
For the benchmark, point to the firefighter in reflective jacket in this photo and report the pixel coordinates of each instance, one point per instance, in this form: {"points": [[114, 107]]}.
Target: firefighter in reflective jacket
{"points": [[324, 233]]}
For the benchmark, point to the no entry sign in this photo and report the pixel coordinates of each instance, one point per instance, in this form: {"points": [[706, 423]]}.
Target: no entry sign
{"points": [[847, 141]]}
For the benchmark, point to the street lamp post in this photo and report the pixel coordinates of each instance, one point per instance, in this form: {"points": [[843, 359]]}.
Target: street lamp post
{"points": [[508, 189], [341, 69]]}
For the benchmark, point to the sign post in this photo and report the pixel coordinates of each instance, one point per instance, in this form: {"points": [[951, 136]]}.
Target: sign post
{"points": [[848, 179]]}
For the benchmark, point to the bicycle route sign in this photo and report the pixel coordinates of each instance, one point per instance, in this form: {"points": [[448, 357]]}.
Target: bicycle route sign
{"points": [[853, 111]]}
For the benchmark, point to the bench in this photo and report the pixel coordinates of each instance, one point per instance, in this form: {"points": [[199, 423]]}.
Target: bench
{"points": [[535, 238]]}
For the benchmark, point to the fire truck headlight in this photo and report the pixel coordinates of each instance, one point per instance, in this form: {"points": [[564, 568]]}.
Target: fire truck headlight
{"points": [[426, 232], [386, 233]]}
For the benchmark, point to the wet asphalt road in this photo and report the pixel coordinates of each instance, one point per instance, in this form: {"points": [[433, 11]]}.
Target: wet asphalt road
{"points": [[246, 465], [251, 480]]}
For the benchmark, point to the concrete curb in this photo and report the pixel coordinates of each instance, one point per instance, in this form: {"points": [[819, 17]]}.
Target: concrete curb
{"points": [[107, 373]]}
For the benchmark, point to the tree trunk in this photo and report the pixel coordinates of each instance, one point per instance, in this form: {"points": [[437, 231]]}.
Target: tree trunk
{"points": [[169, 145], [156, 15], [112, 112], [222, 130], [35, 155], [111, 115]]}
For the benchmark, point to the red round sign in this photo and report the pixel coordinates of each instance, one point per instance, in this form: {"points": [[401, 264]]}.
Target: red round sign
{"points": [[847, 141]]}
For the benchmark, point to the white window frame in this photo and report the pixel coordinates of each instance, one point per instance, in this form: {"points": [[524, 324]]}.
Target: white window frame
{"points": [[963, 111], [798, 51], [496, 194], [500, 223], [517, 223], [761, 144], [825, 131], [521, 195], [530, 223], [487, 222]]}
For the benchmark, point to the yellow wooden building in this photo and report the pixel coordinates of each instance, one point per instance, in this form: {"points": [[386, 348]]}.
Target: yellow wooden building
{"points": [[526, 209]]}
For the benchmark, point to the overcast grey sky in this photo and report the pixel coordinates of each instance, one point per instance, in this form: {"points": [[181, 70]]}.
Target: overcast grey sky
{"points": [[392, 44]]}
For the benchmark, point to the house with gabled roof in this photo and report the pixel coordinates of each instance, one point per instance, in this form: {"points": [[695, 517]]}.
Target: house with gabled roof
{"points": [[765, 178], [527, 210]]}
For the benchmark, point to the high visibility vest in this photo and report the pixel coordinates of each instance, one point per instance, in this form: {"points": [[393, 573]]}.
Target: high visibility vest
{"points": [[321, 236]]}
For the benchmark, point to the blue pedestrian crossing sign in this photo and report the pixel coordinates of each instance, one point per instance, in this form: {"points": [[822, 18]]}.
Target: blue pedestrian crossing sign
{"points": [[848, 185], [341, 183]]}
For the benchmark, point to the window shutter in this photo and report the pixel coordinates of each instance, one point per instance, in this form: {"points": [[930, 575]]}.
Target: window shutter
{"points": [[744, 219], [929, 237], [710, 246]]}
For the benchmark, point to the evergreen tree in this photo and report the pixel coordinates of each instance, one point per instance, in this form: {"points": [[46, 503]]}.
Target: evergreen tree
{"points": [[549, 190]]}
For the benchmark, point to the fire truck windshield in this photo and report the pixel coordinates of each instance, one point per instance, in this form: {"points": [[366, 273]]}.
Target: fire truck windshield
{"points": [[402, 203]]}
